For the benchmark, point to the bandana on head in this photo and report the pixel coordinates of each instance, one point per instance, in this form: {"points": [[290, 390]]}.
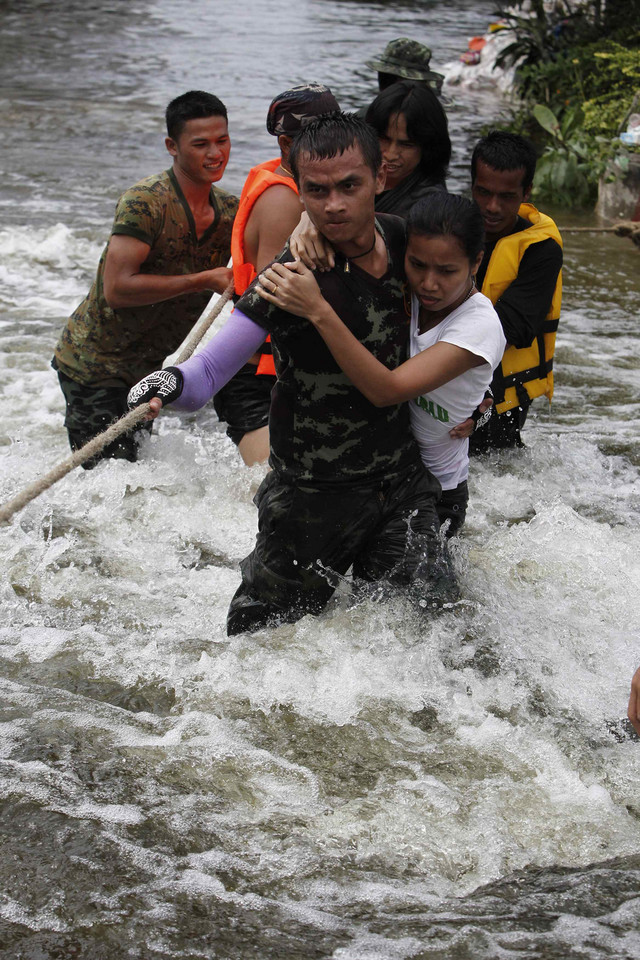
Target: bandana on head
{"points": [[292, 110]]}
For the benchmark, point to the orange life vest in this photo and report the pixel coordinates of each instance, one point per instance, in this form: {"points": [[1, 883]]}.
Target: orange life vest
{"points": [[260, 179]]}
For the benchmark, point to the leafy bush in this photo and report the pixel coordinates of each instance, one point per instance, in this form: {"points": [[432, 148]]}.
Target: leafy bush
{"points": [[567, 172], [577, 86], [609, 76], [571, 166]]}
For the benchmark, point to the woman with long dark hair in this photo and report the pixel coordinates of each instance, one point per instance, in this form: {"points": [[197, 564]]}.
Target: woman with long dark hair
{"points": [[414, 138]]}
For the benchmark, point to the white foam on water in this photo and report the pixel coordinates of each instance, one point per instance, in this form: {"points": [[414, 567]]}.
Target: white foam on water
{"points": [[514, 770], [354, 769], [45, 269]]}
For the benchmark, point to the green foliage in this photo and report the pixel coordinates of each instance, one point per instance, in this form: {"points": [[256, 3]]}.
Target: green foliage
{"points": [[577, 87], [540, 37], [609, 76], [568, 170], [602, 76]]}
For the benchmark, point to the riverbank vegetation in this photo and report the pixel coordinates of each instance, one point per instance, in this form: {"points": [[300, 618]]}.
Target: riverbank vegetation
{"points": [[577, 83]]}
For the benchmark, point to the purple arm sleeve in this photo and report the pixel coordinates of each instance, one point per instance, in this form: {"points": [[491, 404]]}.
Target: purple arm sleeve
{"points": [[207, 372]]}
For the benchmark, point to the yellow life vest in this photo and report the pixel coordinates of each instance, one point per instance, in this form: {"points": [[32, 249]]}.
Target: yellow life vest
{"points": [[527, 372]]}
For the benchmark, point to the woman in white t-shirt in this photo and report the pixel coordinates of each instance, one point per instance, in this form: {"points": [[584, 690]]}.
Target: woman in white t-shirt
{"points": [[444, 249], [455, 341]]}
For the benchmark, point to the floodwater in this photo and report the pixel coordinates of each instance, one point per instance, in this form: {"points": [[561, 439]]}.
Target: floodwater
{"points": [[360, 785]]}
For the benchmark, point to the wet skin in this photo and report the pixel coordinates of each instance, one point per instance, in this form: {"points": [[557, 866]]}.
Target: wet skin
{"points": [[400, 154], [339, 196], [201, 151], [499, 194], [439, 274]]}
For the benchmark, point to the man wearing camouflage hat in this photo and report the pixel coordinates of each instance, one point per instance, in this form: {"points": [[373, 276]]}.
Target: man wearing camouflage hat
{"points": [[405, 59], [269, 210]]}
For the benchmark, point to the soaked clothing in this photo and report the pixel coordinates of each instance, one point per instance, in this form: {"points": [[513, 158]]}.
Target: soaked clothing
{"points": [[500, 432], [528, 308], [90, 410], [243, 404], [452, 509], [347, 486], [101, 346], [323, 430], [309, 536], [472, 326], [399, 199]]}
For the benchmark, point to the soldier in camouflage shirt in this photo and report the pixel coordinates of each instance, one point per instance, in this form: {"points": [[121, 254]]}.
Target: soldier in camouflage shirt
{"points": [[169, 247], [347, 487]]}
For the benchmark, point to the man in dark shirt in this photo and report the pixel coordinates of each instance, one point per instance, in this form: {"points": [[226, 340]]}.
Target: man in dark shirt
{"points": [[521, 275], [347, 487]]}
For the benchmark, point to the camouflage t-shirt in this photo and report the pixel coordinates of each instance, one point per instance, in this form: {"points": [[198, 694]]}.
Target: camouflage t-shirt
{"points": [[99, 345], [323, 430]]}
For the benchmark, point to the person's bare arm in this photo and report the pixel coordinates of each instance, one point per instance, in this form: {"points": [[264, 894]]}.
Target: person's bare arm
{"points": [[293, 287], [126, 286], [633, 711], [274, 215], [466, 428]]}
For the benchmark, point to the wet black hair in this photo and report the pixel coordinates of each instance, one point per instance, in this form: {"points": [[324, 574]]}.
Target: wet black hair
{"points": [[329, 136], [425, 119], [193, 105], [444, 214], [505, 151]]}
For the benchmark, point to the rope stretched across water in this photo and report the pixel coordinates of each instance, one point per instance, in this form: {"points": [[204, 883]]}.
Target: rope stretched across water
{"points": [[108, 436], [623, 228]]}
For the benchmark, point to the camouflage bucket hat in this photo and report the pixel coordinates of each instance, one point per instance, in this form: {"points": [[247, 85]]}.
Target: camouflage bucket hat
{"points": [[292, 110], [407, 59]]}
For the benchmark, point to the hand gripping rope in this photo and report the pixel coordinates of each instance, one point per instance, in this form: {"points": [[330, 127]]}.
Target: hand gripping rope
{"points": [[123, 425]]}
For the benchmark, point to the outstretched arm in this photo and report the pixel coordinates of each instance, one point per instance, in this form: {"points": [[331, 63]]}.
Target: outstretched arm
{"points": [[126, 286], [294, 288], [192, 383]]}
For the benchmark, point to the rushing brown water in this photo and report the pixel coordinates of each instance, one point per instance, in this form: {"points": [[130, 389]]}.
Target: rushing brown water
{"points": [[361, 785]]}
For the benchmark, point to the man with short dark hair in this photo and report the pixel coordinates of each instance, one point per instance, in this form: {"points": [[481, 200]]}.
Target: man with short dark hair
{"points": [[521, 275], [169, 247], [347, 486]]}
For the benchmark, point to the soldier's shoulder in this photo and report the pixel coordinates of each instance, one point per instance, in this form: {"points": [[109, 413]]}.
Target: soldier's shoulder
{"points": [[152, 186], [227, 202], [145, 198]]}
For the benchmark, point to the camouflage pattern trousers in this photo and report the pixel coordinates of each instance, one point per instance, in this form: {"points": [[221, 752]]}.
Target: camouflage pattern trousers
{"points": [[90, 410], [309, 537]]}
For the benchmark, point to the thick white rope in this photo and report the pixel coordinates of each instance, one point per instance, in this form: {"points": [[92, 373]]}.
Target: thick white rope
{"points": [[123, 425]]}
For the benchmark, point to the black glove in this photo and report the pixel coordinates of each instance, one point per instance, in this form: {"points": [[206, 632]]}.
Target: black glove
{"points": [[166, 384], [480, 419]]}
